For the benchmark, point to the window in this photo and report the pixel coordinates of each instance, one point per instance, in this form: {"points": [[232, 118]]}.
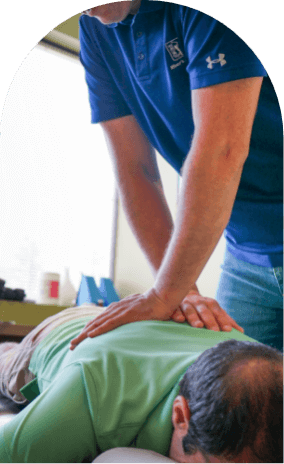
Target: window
{"points": [[58, 196]]}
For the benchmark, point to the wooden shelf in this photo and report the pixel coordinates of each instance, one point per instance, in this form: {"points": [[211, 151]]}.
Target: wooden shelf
{"points": [[14, 332], [15, 329], [26, 314]]}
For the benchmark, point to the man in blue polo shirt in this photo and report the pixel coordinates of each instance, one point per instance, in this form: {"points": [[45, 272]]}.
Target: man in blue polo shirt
{"points": [[166, 77]]}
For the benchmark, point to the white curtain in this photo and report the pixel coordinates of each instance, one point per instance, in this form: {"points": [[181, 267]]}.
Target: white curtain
{"points": [[57, 188]]}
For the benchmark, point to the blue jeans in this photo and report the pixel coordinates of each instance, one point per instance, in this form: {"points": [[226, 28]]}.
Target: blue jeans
{"points": [[252, 295]]}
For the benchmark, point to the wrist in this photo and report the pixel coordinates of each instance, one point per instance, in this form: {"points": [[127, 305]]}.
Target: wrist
{"points": [[168, 299], [194, 290], [159, 304], [172, 297]]}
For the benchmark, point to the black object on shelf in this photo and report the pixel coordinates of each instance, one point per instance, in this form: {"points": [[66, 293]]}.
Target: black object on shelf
{"points": [[9, 294], [2, 284], [19, 294]]}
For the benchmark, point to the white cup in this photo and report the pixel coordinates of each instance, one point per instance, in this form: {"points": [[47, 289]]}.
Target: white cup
{"points": [[49, 288]]}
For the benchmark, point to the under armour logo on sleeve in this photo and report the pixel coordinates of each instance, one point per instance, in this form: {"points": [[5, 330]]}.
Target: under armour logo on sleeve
{"points": [[220, 60]]}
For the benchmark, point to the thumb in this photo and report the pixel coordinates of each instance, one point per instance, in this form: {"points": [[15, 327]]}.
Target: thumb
{"points": [[178, 315]]}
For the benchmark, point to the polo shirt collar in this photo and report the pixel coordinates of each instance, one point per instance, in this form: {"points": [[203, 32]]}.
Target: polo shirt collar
{"points": [[145, 7]]}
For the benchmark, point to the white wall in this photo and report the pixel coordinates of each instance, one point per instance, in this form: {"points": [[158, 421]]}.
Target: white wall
{"points": [[208, 280], [132, 273]]}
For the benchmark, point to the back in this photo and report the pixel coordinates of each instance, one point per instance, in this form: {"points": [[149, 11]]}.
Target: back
{"points": [[113, 390], [134, 369]]}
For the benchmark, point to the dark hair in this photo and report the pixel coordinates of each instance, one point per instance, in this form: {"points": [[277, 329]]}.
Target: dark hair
{"points": [[234, 392]]}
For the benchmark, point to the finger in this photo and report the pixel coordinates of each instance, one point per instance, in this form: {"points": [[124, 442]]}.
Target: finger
{"points": [[103, 316], [202, 311], [178, 315], [98, 318], [207, 317], [77, 340], [113, 308], [192, 316], [221, 317], [105, 327], [110, 324], [225, 322], [237, 326], [84, 334], [91, 326]]}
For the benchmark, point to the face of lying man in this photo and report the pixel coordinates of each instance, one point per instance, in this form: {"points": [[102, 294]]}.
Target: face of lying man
{"points": [[180, 420], [114, 12]]}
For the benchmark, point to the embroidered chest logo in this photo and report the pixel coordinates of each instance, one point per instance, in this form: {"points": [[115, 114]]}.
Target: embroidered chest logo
{"points": [[173, 48], [221, 60]]}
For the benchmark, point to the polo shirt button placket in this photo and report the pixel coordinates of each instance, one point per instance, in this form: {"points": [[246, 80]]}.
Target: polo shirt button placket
{"points": [[142, 65]]}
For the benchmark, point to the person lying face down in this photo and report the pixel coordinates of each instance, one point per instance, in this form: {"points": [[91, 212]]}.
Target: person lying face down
{"points": [[230, 406], [193, 395]]}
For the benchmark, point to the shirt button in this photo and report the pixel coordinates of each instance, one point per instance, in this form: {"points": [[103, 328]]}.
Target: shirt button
{"points": [[139, 34], [141, 56]]}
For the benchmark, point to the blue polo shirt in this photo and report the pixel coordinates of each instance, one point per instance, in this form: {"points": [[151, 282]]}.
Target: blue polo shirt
{"points": [[147, 66]]}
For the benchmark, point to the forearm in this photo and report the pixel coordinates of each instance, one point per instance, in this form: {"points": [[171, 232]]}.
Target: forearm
{"points": [[207, 197], [148, 215], [140, 187], [150, 219]]}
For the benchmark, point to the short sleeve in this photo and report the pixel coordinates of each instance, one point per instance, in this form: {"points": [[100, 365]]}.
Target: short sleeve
{"points": [[55, 427], [105, 98], [215, 53]]}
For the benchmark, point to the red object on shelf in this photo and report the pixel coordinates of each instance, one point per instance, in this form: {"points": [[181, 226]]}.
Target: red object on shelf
{"points": [[53, 289]]}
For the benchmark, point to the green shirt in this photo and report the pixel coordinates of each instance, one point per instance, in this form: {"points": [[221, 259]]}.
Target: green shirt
{"points": [[113, 390]]}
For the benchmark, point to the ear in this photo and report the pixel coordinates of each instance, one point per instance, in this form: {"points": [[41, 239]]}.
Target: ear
{"points": [[180, 415]]}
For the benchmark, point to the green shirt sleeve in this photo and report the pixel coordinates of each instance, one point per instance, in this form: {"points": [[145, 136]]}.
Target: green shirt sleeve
{"points": [[55, 427]]}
